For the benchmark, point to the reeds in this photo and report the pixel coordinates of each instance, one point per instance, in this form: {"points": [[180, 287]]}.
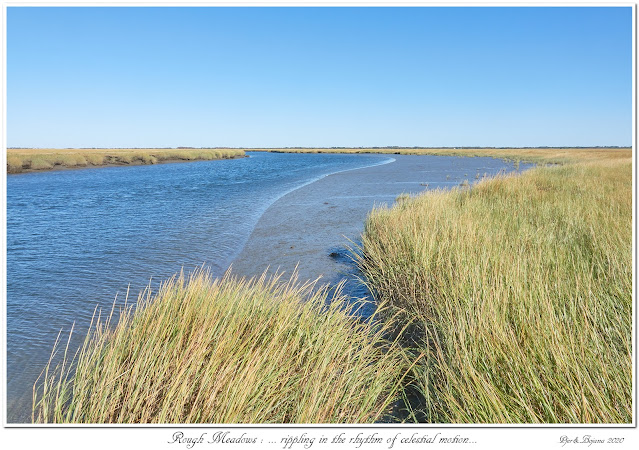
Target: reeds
{"points": [[522, 289], [227, 351], [21, 160]]}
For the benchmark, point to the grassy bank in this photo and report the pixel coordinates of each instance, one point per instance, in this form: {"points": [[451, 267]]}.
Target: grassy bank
{"points": [[555, 155], [227, 351], [25, 160], [520, 292]]}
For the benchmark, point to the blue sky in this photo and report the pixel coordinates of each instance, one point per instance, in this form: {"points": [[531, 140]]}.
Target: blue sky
{"points": [[271, 77]]}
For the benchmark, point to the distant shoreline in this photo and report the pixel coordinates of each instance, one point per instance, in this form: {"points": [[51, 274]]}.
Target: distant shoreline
{"points": [[41, 160], [25, 160], [524, 154], [310, 149]]}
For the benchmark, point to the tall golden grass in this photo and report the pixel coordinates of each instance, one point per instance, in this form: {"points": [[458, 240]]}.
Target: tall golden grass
{"points": [[520, 289], [227, 351], [21, 160]]}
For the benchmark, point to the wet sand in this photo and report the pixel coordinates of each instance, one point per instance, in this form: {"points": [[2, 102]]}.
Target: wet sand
{"points": [[313, 226]]}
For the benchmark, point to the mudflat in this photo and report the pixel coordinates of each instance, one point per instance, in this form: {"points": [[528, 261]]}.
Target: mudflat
{"points": [[312, 227]]}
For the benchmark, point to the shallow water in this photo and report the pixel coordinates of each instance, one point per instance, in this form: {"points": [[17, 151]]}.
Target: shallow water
{"points": [[76, 238]]}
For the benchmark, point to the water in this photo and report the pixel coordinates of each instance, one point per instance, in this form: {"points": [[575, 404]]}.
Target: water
{"points": [[76, 238]]}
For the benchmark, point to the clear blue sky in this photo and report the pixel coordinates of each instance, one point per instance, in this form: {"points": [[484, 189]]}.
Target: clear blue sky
{"points": [[251, 77]]}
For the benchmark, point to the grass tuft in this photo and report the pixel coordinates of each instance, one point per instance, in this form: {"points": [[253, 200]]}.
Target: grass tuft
{"points": [[227, 351]]}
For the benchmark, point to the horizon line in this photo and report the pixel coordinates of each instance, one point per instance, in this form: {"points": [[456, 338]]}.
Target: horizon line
{"points": [[329, 148]]}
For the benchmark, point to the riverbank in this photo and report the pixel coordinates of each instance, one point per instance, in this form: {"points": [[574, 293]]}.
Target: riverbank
{"points": [[37, 160], [311, 228], [517, 291]]}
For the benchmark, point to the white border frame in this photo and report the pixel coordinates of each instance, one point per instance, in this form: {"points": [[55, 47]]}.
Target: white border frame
{"points": [[159, 436]]}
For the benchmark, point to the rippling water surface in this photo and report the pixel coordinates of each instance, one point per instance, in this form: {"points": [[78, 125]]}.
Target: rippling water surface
{"points": [[76, 238]]}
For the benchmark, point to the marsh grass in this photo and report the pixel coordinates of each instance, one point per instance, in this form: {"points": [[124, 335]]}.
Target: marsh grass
{"points": [[21, 160], [522, 289], [226, 351]]}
